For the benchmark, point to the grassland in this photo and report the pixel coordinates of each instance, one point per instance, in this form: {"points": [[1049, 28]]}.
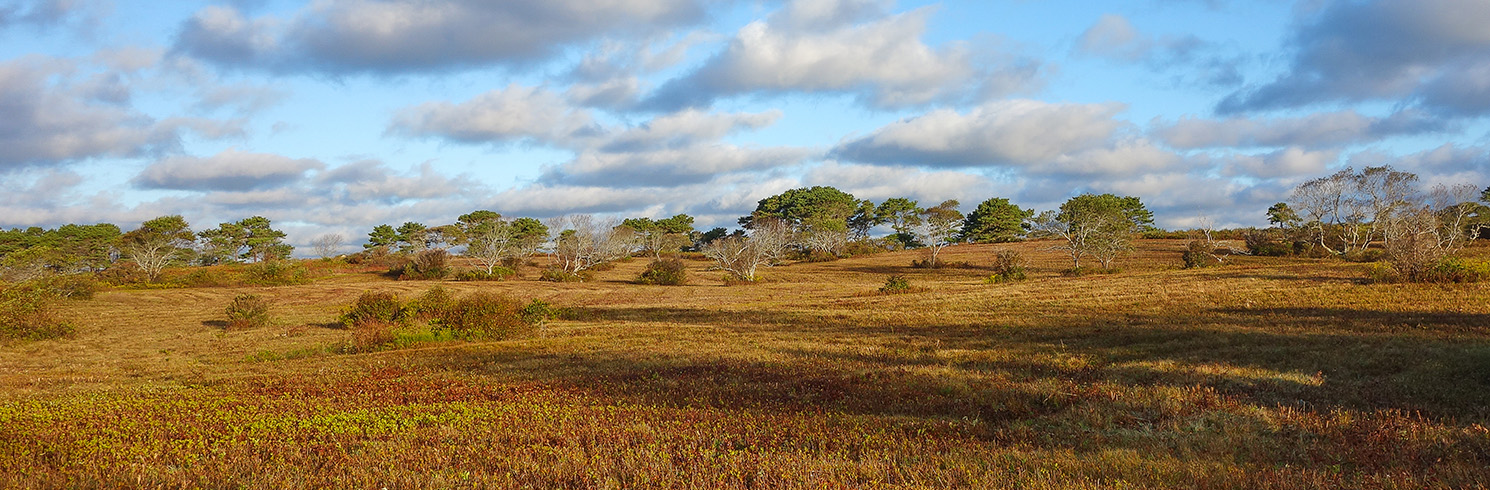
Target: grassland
{"points": [[1264, 373]]}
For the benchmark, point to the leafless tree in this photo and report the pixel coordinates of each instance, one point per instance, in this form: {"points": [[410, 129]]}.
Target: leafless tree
{"points": [[582, 242], [1421, 234], [741, 257], [327, 245], [938, 228]]}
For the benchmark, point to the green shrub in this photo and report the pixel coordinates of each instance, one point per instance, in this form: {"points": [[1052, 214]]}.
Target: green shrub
{"points": [[485, 315], [275, 273], [248, 311], [896, 284], [434, 303], [497, 274], [1457, 269], [538, 312], [1198, 254], [376, 307], [1368, 255], [559, 275], [1008, 266], [427, 265], [1382, 272], [74, 286], [665, 272], [27, 313]]}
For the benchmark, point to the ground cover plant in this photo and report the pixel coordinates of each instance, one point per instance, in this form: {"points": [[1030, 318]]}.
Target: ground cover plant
{"points": [[1264, 372]]}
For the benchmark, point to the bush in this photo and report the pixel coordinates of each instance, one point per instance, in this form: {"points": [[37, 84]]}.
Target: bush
{"points": [[665, 272], [1368, 255], [734, 280], [863, 247], [1085, 270], [484, 315], [538, 312], [1198, 254], [1008, 266], [1382, 272], [431, 264], [1455, 269], [372, 335], [375, 307], [896, 284], [1267, 243], [433, 304], [26, 313], [497, 274], [560, 275], [275, 273], [74, 286], [248, 311], [122, 273]]}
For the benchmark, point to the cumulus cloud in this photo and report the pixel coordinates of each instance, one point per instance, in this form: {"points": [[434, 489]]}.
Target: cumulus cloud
{"points": [[513, 114], [401, 36], [878, 183], [47, 13], [47, 121], [1326, 129], [1114, 37], [231, 170], [1288, 162], [1351, 51], [670, 166], [1017, 133], [846, 46]]}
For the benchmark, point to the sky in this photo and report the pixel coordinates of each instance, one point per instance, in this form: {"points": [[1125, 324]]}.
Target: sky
{"points": [[334, 116]]}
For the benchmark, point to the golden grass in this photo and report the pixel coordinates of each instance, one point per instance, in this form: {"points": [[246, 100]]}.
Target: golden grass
{"points": [[1265, 373]]}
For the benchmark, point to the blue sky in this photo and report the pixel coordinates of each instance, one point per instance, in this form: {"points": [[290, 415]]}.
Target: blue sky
{"points": [[333, 116]]}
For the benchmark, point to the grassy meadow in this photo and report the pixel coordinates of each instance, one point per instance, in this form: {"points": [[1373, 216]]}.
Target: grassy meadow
{"points": [[1261, 373]]}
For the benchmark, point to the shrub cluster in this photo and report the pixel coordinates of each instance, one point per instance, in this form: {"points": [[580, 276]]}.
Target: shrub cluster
{"points": [[380, 319], [896, 284], [26, 313], [559, 275], [430, 264], [664, 272], [275, 273], [1446, 270], [248, 311], [497, 274], [1008, 266], [1198, 254]]}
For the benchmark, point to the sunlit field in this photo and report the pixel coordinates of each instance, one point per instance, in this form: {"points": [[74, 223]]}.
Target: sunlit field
{"points": [[1261, 373]]}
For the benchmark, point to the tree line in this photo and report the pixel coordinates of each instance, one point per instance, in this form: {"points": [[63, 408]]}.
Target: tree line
{"points": [[1346, 213]]}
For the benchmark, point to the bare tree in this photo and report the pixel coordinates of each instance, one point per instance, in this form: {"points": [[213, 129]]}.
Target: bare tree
{"points": [[741, 257], [327, 245], [1419, 235], [582, 242], [938, 227], [157, 243]]}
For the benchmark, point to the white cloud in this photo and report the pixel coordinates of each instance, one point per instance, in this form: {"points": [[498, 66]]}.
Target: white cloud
{"points": [[231, 170]]}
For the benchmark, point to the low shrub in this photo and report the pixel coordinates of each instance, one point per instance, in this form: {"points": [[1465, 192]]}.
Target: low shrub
{"points": [[27, 312], [559, 275], [1368, 255], [433, 304], [538, 312], [123, 273], [248, 311], [275, 273], [1085, 270], [74, 286], [734, 280], [1382, 272], [896, 284], [484, 315], [431, 264], [606, 266], [1008, 266], [370, 336], [497, 274], [376, 307], [665, 272], [863, 247], [1457, 269], [1267, 243], [1198, 254]]}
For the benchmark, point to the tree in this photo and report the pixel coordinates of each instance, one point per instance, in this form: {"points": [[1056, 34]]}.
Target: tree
{"points": [[863, 220], [939, 228], [157, 243], [583, 242], [327, 245], [411, 237], [662, 236], [903, 215], [820, 203], [491, 240], [1418, 235], [742, 256], [996, 221], [383, 236], [1282, 216], [251, 239], [1101, 226], [1346, 210]]}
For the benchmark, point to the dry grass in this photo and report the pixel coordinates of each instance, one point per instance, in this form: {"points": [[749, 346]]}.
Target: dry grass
{"points": [[1264, 373]]}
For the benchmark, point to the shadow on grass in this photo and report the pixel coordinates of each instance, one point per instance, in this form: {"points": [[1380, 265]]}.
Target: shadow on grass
{"points": [[1437, 364]]}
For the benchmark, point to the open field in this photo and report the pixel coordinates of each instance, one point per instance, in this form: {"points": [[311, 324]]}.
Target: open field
{"points": [[1265, 373]]}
